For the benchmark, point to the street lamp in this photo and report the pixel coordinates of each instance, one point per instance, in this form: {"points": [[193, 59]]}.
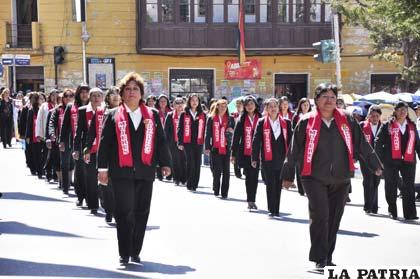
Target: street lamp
{"points": [[85, 38]]}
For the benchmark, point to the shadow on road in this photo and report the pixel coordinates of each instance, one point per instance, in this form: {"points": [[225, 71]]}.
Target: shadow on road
{"points": [[28, 197], [359, 234], [354, 205], [158, 268], [212, 194], [10, 267], [19, 228]]}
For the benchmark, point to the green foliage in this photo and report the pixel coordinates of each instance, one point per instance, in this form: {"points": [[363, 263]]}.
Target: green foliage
{"points": [[394, 27]]}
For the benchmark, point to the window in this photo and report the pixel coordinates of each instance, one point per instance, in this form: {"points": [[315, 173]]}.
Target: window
{"points": [[315, 11], [250, 13], [168, 11], [218, 11], [200, 11], [152, 11], [184, 10], [233, 11], [283, 11], [265, 11], [298, 10], [187, 81], [327, 8]]}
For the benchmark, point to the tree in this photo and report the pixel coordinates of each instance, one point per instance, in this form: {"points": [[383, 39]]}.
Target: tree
{"points": [[394, 27]]}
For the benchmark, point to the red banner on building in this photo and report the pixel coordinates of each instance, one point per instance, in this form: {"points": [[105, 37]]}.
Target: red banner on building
{"points": [[250, 69]]}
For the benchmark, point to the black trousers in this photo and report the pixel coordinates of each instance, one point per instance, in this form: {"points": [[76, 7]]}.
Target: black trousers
{"points": [[65, 158], [299, 182], [273, 189], [6, 128], [29, 158], [193, 157], [35, 153], [132, 207], [370, 189], [237, 170], [408, 172], [80, 179], [326, 207], [92, 197], [251, 183], [179, 165], [106, 196], [221, 169]]}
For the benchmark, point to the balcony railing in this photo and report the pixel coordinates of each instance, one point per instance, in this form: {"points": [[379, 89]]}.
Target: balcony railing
{"points": [[19, 35]]}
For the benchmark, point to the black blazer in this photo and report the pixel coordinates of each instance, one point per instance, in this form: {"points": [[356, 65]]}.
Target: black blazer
{"points": [[82, 130], [66, 132], [278, 146], [108, 149], [209, 134], [330, 152], [91, 133], [169, 129], [194, 128], [47, 134], [372, 136], [383, 145], [53, 129], [23, 120], [30, 124], [238, 142]]}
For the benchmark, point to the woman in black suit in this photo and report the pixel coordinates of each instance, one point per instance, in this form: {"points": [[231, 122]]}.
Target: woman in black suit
{"points": [[132, 144], [242, 147], [396, 144], [6, 118], [35, 145], [219, 130], [270, 144], [84, 120], [106, 195], [191, 131], [179, 171]]}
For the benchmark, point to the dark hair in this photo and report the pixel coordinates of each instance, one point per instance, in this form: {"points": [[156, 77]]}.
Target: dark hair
{"points": [[67, 91], [168, 104], [188, 106], [301, 101], [324, 87], [375, 108], [132, 76], [35, 101], [248, 99], [54, 91], [151, 97], [77, 100], [113, 90]]}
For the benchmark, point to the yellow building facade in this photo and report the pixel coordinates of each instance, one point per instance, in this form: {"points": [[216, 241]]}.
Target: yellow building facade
{"points": [[112, 27]]}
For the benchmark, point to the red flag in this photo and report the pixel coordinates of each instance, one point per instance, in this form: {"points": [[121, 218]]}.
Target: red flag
{"points": [[241, 37]]}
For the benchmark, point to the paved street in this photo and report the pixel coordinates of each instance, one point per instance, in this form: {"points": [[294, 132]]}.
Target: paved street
{"points": [[190, 235]]}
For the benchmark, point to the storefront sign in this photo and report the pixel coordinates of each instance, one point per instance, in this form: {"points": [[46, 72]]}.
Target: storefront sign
{"points": [[23, 60], [251, 69], [101, 72]]}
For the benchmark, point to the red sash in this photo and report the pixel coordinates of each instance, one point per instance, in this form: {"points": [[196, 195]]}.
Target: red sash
{"points": [[188, 129], [175, 122], [34, 118], [248, 133], [50, 106], [60, 118], [124, 139], [99, 117], [396, 142], [219, 138], [367, 131], [89, 116], [73, 119], [313, 130], [268, 151]]}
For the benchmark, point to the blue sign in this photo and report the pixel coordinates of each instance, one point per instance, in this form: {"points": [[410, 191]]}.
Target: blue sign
{"points": [[1, 70], [7, 61], [22, 62]]}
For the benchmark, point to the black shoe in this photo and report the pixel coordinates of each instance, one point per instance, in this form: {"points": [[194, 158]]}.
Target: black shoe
{"points": [[392, 216], [320, 266], [270, 214], [224, 197], [1, 195], [108, 218], [79, 203], [124, 260], [330, 263], [412, 218], [276, 214], [348, 199], [135, 259], [176, 182], [66, 192], [93, 211]]}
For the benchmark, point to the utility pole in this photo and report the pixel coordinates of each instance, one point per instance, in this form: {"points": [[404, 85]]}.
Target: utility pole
{"points": [[85, 37], [336, 28]]}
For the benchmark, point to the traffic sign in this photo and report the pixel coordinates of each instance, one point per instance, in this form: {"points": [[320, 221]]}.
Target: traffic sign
{"points": [[7, 59], [23, 60]]}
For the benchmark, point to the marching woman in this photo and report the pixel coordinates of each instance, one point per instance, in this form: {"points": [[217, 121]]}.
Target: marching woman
{"points": [[236, 115], [6, 118], [132, 144], [179, 171], [191, 131], [397, 143], [31, 138], [285, 111], [325, 143], [219, 130], [55, 127], [84, 120], [242, 147], [23, 121], [270, 143], [53, 159], [370, 129], [163, 107], [303, 107], [106, 195], [67, 136]]}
